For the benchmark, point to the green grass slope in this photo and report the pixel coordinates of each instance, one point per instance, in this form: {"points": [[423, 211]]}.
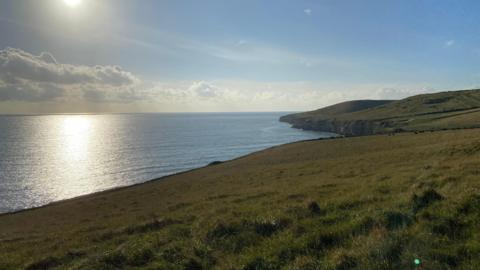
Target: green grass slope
{"points": [[374, 202], [445, 110], [348, 107]]}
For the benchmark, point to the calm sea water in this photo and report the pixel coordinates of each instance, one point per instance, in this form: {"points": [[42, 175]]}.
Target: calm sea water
{"points": [[47, 158]]}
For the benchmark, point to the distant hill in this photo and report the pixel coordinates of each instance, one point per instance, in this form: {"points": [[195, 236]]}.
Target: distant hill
{"points": [[349, 106], [445, 110]]}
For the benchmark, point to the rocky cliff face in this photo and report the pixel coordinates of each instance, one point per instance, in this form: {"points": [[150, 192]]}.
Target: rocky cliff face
{"points": [[347, 128], [437, 111]]}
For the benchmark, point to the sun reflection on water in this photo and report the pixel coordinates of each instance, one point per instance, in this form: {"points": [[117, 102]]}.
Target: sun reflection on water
{"points": [[76, 134]]}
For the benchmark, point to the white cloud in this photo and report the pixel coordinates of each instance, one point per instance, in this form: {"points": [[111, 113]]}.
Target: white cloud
{"points": [[204, 90], [449, 43], [307, 11], [27, 77], [29, 80], [268, 96], [44, 68], [30, 92]]}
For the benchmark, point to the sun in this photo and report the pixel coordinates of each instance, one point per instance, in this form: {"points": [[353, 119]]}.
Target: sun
{"points": [[72, 3]]}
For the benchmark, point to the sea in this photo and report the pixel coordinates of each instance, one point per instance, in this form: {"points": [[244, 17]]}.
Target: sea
{"points": [[47, 158]]}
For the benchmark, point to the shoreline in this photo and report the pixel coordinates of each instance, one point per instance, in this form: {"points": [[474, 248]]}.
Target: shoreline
{"points": [[161, 178]]}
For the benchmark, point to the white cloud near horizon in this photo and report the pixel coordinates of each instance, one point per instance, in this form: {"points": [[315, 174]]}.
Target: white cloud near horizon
{"points": [[39, 83], [27, 77]]}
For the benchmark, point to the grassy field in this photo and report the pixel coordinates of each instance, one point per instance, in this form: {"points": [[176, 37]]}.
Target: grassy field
{"points": [[375, 202]]}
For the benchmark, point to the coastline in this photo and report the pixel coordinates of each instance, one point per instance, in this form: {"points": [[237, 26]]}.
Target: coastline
{"points": [[141, 148], [162, 178]]}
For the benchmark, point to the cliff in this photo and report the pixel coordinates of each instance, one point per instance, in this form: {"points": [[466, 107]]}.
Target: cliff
{"points": [[348, 128], [445, 110], [325, 119]]}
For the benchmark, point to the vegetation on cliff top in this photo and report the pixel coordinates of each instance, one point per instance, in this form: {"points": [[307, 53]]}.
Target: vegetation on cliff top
{"points": [[376, 202], [445, 110]]}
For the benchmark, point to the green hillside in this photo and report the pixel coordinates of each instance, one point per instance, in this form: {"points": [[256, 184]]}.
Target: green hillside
{"points": [[373, 202], [348, 107], [445, 110]]}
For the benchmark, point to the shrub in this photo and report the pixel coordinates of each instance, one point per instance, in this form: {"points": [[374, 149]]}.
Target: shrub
{"points": [[314, 208], [427, 198]]}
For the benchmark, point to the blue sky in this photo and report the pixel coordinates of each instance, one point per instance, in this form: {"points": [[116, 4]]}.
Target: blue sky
{"points": [[238, 55]]}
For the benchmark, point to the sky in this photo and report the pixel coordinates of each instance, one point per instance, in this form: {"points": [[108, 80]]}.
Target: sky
{"points": [[91, 56]]}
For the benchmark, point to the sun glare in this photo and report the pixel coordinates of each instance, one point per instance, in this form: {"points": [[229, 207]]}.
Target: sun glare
{"points": [[75, 131], [72, 3]]}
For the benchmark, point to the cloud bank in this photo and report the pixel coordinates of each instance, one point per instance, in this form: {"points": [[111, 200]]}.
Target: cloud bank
{"points": [[27, 77], [40, 81]]}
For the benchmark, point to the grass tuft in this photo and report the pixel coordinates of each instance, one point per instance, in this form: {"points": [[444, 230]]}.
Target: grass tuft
{"points": [[314, 208], [397, 220], [425, 199]]}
